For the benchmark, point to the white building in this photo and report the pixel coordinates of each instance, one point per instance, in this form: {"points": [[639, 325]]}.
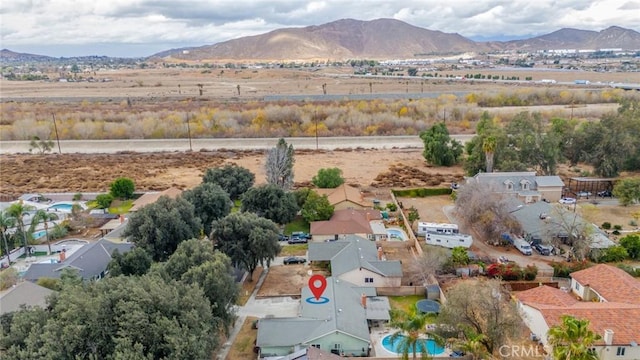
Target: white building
{"points": [[445, 235]]}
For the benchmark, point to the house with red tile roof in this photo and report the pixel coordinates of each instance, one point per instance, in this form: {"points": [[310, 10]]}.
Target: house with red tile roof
{"points": [[345, 197], [349, 222], [606, 296]]}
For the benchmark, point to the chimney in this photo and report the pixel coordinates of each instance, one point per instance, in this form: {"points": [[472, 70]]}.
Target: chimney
{"points": [[363, 300], [608, 337], [380, 253], [63, 255], [121, 219]]}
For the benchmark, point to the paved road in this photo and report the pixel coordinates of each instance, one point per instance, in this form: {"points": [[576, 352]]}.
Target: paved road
{"points": [[153, 145]]}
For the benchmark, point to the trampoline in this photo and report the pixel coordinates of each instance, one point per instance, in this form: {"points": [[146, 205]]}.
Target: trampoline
{"points": [[428, 306]]}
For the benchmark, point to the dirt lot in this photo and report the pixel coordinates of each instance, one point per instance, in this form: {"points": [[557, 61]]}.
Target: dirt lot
{"points": [[284, 280], [157, 171]]}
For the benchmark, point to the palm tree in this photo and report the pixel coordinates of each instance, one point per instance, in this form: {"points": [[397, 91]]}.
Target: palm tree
{"points": [[572, 339], [6, 221], [489, 147], [45, 217], [412, 326], [472, 344], [18, 211]]}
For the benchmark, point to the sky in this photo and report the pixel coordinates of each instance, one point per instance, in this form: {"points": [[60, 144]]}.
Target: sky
{"points": [[140, 28]]}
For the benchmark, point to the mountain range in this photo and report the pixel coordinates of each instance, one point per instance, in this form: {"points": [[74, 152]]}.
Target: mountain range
{"points": [[379, 39]]}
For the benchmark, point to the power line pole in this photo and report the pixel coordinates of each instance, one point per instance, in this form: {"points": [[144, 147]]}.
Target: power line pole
{"points": [[55, 127], [189, 133]]}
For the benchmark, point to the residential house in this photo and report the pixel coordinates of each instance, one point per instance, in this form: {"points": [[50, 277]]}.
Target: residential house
{"points": [[544, 222], [90, 262], [337, 322], [310, 353], [358, 261], [25, 294], [345, 197], [151, 197], [603, 294], [526, 186], [363, 223]]}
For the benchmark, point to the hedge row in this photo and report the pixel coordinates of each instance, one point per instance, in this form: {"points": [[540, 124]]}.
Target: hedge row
{"points": [[422, 192]]}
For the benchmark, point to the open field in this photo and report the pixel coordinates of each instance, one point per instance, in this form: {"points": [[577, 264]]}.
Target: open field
{"points": [[184, 83]]}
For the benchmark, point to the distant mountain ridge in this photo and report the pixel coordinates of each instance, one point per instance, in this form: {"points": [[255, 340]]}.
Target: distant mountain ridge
{"points": [[376, 39]]}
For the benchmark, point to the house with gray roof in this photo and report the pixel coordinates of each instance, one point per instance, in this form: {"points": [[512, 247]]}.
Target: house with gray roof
{"points": [[525, 185], [358, 261], [545, 222], [338, 322], [90, 262], [25, 294]]}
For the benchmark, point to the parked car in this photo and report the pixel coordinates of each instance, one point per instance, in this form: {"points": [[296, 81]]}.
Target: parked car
{"points": [[605, 193], [543, 249], [301, 234], [296, 240], [283, 237], [567, 200], [294, 260], [582, 194]]}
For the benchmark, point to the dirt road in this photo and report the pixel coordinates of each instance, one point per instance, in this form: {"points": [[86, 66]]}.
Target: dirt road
{"points": [[153, 145]]}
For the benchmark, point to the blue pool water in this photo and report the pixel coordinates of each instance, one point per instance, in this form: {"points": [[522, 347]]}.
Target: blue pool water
{"points": [[430, 344], [396, 234], [39, 234], [60, 207]]}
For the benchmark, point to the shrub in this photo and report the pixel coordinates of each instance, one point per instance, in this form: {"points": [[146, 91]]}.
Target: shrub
{"points": [[8, 278], [606, 225], [564, 269], [122, 188], [530, 272], [77, 196], [422, 192], [617, 227], [392, 207], [104, 200], [507, 272], [329, 178], [635, 272]]}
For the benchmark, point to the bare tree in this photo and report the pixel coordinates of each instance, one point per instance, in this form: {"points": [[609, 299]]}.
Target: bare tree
{"points": [[429, 263], [279, 165], [486, 211], [484, 307], [568, 228]]}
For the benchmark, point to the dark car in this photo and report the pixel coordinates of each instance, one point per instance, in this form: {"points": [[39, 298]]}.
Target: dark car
{"points": [[297, 240], [301, 234], [543, 249], [605, 193], [294, 260], [457, 354], [282, 237]]}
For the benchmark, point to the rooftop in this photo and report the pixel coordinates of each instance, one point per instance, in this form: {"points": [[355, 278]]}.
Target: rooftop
{"points": [[612, 283]]}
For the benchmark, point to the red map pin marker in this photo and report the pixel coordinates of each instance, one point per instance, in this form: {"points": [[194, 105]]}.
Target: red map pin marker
{"points": [[317, 284]]}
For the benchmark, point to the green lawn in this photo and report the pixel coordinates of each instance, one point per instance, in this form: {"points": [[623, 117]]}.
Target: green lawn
{"points": [[294, 250], [120, 207], [405, 303], [299, 224]]}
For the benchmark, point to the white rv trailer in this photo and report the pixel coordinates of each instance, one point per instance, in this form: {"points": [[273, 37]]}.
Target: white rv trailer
{"points": [[446, 235]]}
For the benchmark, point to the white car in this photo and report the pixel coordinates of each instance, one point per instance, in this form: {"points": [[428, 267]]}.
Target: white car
{"points": [[584, 194], [567, 200]]}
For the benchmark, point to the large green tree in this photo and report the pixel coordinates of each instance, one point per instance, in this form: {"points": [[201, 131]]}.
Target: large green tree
{"points": [[279, 165], [233, 179], [328, 178], [135, 262], [439, 148], [316, 208], [271, 202], [483, 307], [196, 262], [476, 148], [122, 188], [116, 318], [249, 240], [627, 191], [632, 244], [210, 202], [161, 226], [572, 339], [535, 145]]}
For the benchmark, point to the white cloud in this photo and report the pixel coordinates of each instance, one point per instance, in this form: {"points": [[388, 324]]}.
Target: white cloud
{"points": [[34, 24]]}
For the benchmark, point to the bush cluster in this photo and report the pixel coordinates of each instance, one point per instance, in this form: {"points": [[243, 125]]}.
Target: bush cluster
{"points": [[564, 269], [512, 272]]}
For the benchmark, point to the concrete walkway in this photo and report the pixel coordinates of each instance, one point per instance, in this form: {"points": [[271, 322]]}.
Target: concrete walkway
{"points": [[278, 307]]}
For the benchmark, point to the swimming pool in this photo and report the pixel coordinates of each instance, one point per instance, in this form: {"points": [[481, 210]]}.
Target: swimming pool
{"points": [[396, 234], [39, 234], [64, 207], [423, 344]]}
